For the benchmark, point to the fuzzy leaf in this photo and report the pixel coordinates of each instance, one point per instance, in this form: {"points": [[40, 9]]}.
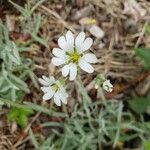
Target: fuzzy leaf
{"points": [[147, 145], [144, 54], [139, 105], [20, 115]]}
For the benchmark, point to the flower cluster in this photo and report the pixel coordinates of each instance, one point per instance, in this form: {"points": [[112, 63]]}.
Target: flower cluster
{"points": [[71, 56]]}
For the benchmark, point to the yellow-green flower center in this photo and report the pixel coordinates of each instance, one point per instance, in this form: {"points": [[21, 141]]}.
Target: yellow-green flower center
{"points": [[74, 56], [55, 87]]}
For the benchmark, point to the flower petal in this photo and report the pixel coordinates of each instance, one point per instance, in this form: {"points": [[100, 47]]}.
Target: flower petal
{"points": [[79, 41], [65, 70], [73, 71], [48, 95], [107, 86], [45, 89], [62, 43], [58, 61], [63, 95], [90, 58], [70, 41], [63, 98], [80, 38], [49, 80], [46, 81], [58, 52], [85, 66], [57, 99], [43, 82], [87, 44]]}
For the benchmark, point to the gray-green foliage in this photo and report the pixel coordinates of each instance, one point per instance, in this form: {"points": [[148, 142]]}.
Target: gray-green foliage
{"points": [[93, 125], [140, 104], [14, 68], [30, 22], [90, 127]]}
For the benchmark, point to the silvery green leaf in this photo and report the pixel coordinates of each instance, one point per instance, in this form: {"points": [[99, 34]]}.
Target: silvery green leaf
{"points": [[13, 59], [34, 79], [17, 80], [15, 52], [1, 103], [19, 83], [5, 89], [38, 19], [5, 32], [4, 72], [23, 11], [37, 5], [1, 81], [40, 40], [13, 94]]}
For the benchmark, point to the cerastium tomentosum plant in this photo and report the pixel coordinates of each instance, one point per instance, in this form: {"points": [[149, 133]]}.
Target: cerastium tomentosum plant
{"points": [[72, 55]]}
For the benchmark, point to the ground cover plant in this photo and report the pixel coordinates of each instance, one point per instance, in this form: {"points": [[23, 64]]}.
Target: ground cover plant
{"points": [[74, 75]]}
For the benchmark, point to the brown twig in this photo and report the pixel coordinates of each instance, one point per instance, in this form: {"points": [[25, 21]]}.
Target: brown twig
{"points": [[125, 87], [56, 15]]}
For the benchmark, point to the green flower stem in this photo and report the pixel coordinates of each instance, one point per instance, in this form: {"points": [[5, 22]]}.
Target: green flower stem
{"points": [[87, 101], [81, 88], [100, 94]]}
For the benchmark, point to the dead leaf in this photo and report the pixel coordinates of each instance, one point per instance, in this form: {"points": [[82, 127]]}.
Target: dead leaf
{"points": [[84, 12], [143, 87], [97, 31], [10, 22], [51, 69]]}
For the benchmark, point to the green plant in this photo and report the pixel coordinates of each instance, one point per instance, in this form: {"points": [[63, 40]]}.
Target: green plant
{"points": [[144, 54], [20, 115], [30, 23], [14, 69], [140, 104], [92, 126]]}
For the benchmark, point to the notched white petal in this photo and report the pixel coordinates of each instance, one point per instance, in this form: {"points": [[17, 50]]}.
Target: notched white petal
{"points": [[58, 52], [45, 89], [57, 99], [70, 40], [58, 61], [80, 38], [48, 95], [50, 80], [73, 71], [65, 70], [87, 44], [62, 43], [79, 41], [43, 82], [90, 58], [85, 66]]}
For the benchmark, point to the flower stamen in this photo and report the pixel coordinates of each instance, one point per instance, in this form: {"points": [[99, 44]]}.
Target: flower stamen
{"points": [[74, 56], [55, 87]]}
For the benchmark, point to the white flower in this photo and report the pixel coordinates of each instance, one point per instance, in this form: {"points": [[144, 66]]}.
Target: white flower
{"points": [[71, 54], [53, 88], [107, 86]]}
